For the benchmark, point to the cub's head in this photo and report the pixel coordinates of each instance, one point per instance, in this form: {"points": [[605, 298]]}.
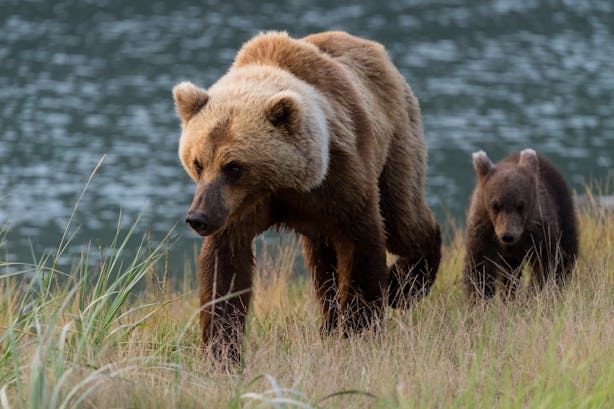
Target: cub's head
{"points": [[509, 191], [241, 142]]}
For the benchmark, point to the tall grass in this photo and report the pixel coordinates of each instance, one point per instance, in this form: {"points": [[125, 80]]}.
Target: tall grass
{"points": [[87, 339]]}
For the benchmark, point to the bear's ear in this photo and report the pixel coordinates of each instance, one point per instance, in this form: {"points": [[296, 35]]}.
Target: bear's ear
{"points": [[528, 158], [482, 164], [283, 109], [189, 99]]}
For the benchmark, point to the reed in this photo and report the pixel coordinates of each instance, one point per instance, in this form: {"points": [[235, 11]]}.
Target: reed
{"points": [[123, 335]]}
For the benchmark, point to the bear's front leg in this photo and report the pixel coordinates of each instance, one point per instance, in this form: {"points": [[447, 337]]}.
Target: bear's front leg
{"points": [[510, 272], [321, 260], [363, 275], [225, 273], [480, 270], [552, 263]]}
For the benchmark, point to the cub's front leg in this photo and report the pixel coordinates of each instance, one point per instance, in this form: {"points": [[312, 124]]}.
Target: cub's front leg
{"points": [[480, 270]]}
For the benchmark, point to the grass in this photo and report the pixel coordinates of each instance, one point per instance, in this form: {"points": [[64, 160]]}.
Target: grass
{"points": [[89, 339]]}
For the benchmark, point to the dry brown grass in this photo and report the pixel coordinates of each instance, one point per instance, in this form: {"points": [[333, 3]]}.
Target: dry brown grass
{"points": [[546, 350]]}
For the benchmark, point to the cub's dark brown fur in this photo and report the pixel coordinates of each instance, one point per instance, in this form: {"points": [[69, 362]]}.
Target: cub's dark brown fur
{"points": [[521, 210]]}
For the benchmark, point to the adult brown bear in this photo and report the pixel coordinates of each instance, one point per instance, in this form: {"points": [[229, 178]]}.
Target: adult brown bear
{"points": [[321, 135]]}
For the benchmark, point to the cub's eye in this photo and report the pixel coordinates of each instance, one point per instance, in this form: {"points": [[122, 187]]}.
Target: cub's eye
{"points": [[198, 168], [520, 207], [496, 207], [232, 171]]}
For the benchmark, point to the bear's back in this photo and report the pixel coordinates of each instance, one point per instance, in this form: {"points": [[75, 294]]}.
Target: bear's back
{"points": [[320, 59], [369, 63]]}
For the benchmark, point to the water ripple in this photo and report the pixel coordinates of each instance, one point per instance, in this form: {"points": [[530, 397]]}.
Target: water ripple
{"points": [[84, 79]]}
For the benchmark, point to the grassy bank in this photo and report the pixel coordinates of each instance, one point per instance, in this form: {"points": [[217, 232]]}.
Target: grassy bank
{"points": [[85, 339]]}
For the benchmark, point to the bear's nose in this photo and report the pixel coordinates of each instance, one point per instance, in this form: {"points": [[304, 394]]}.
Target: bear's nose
{"points": [[507, 237], [197, 221]]}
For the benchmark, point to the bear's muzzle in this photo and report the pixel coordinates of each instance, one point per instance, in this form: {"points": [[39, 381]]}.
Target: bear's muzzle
{"points": [[199, 222], [207, 213]]}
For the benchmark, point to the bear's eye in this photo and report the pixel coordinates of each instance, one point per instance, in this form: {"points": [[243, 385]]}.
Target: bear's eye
{"points": [[232, 171], [520, 207], [198, 168], [496, 207]]}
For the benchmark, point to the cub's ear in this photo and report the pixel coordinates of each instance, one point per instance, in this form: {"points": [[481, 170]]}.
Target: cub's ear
{"points": [[284, 110], [189, 99], [482, 164], [528, 158]]}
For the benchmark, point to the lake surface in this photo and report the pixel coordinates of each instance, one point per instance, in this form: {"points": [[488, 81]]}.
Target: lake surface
{"points": [[83, 79]]}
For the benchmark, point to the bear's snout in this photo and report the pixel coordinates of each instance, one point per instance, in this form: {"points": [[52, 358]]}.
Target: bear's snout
{"points": [[208, 212], [508, 237], [199, 222]]}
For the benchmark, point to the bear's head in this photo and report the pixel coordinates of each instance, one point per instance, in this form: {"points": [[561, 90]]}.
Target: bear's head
{"points": [[509, 192], [245, 138]]}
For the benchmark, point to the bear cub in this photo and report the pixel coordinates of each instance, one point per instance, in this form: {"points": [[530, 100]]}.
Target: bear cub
{"points": [[521, 211]]}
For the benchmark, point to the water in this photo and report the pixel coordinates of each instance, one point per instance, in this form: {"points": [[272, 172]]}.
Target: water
{"points": [[83, 79]]}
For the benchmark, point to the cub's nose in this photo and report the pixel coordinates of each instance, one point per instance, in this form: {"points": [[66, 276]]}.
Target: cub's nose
{"points": [[198, 221], [508, 237]]}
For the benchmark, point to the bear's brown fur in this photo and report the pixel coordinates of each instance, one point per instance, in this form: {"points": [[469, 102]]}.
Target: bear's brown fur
{"points": [[521, 210], [324, 136]]}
